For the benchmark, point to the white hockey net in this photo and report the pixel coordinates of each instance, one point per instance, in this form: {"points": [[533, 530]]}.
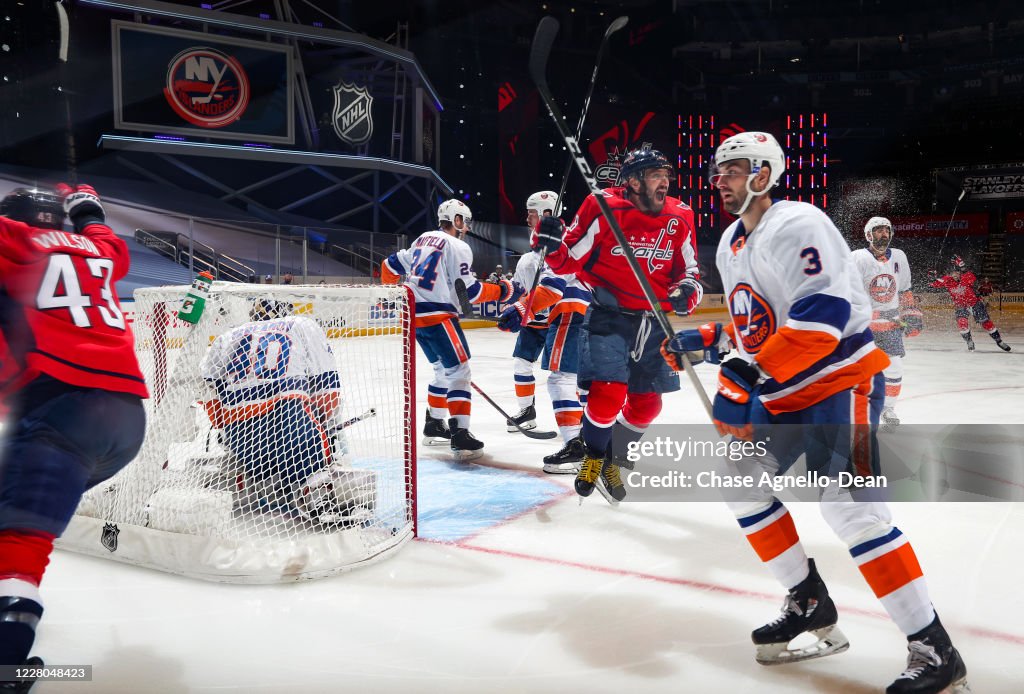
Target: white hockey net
{"points": [[252, 470]]}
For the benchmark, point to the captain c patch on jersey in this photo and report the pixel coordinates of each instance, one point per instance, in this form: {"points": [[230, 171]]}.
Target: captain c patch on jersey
{"points": [[752, 317]]}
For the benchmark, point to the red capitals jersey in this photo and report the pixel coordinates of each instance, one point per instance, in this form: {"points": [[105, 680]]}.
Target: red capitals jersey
{"points": [[962, 290], [66, 319], [665, 246]]}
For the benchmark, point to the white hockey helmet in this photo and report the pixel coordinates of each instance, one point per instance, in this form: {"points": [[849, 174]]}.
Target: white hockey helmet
{"points": [[759, 149], [873, 224], [544, 201], [448, 209]]}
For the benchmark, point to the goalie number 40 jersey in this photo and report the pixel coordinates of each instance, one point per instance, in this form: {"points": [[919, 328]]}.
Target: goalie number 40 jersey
{"points": [[798, 306], [257, 364], [885, 280]]}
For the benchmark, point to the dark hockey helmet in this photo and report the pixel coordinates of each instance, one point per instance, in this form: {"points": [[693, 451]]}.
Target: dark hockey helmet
{"points": [[35, 207], [269, 309], [639, 160]]}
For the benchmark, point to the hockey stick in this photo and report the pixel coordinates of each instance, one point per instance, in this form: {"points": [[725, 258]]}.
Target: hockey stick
{"points": [[69, 132], [948, 227], [540, 51], [529, 433], [616, 24], [372, 412]]}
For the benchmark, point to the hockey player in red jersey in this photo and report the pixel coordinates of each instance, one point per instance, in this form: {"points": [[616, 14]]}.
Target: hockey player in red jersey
{"points": [[619, 356], [807, 382], [76, 401], [960, 285]]}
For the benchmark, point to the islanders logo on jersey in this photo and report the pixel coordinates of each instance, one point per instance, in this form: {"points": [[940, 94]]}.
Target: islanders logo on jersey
{"points": [[206, 87], [752, 317], [882, 288]]}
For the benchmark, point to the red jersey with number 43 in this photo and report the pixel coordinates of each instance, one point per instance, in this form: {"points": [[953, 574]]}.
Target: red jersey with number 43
{"points": [[67, 320], [664, 245]]}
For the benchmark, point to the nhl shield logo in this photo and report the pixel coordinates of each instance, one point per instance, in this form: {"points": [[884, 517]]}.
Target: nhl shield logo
{"points": [[352, 117], [109, 536]]}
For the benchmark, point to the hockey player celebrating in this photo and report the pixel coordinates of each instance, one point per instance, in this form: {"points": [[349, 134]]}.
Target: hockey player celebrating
{"points": [[76, 399], [619, 345], [960, 285], [432, 266], [549, 323], [277, 394], [885, 273], [806, 360]]}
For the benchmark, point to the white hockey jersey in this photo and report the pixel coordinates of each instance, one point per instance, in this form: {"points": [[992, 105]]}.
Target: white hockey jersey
{"points": [[885, 280], [257, 364], [557, 294], [431, 265], [798, 306]]}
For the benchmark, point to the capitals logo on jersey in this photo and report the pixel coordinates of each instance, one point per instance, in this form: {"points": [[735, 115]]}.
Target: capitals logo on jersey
{"points": [[883, 288], [752, 317]]}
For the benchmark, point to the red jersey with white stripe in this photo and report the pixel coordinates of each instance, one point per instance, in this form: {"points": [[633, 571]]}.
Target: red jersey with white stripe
{"points": [[798, 306], [960, 290], [67, 320], [664, 244]]}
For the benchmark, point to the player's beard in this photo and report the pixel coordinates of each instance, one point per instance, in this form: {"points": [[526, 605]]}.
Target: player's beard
{"points": [[735, 203], [879, 248]]}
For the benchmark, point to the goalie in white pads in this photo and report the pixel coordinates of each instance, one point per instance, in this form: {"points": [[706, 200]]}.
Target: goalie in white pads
{"points": [[277, 398], [432, 266], [807, 380], [885, 272]]}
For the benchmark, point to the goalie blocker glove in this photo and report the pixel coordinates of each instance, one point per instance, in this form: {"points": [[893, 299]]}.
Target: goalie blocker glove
{"points": [[82, 205], [549, 234], [685, 296], [707, 343]]}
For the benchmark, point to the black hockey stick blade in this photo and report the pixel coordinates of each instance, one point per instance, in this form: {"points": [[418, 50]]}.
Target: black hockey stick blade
{"points": [[529, 433], [464, 303], [540, 50]]}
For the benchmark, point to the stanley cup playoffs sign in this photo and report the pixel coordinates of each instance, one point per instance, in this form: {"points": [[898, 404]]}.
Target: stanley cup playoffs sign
{"points": [[188, 83]]}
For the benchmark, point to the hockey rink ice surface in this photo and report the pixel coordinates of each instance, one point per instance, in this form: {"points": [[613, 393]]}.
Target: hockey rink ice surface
{"points": [[514, 586]]}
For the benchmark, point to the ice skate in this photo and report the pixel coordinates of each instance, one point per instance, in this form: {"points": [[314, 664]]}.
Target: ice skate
{"points": [[1002, 345], [526, 419], [566, 461], [590, 470], [969, 340], [465, 447], [807, 609], [889, 419], [435, 431], [609, 484], [933, 665]]}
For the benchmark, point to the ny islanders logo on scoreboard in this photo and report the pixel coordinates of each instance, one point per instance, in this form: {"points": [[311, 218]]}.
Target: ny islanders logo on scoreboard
{"points": [[752, 317], [206, 87], [352, 116], [882, 288]]}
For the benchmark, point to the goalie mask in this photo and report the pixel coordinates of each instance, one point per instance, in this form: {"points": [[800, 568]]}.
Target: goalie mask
{"points": [[450, 209], [869, 229], [269, 309], [757, 148], [35, 207]]}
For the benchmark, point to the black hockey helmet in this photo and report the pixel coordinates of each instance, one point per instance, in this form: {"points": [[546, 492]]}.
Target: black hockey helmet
{"points": [[269, 309], [35, 207], [639, 160]]}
